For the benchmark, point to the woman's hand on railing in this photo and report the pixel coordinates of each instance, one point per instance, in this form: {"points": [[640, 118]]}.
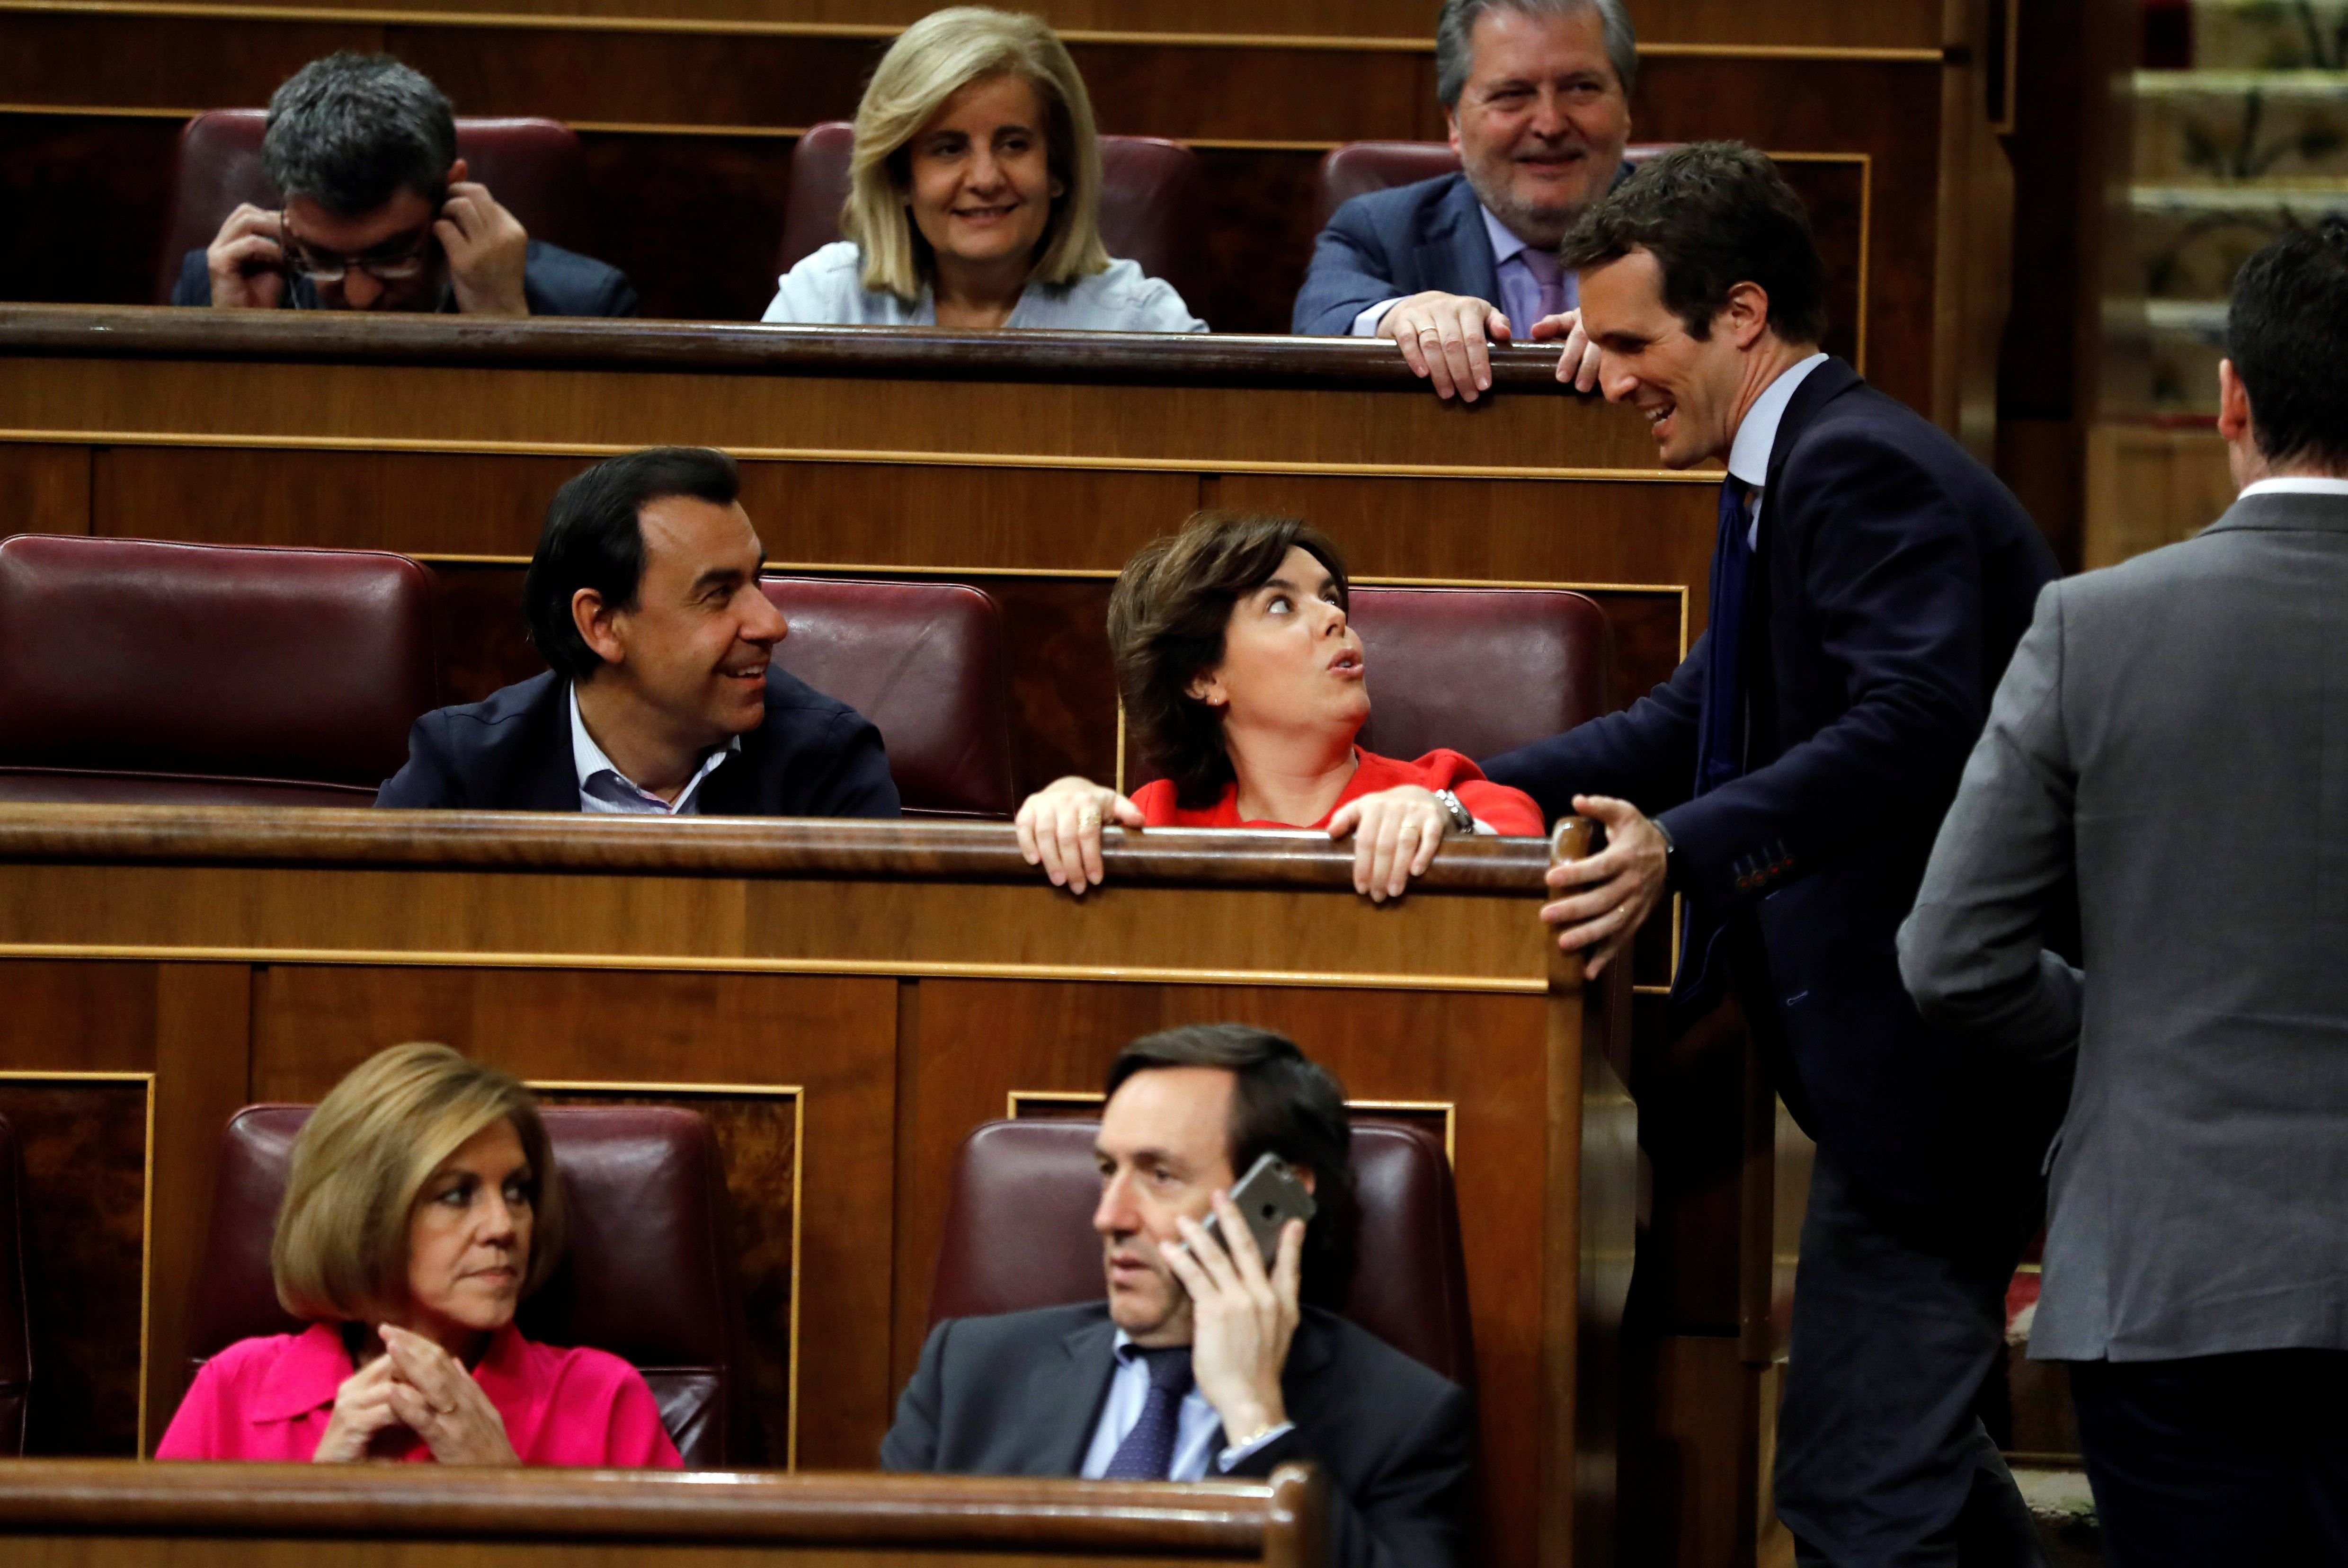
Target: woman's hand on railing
{"points": [[1395, 834], [1060, 830]]}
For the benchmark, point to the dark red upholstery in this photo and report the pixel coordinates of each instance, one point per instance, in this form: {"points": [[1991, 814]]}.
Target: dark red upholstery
{"points": [[534, 167], [1154, 201], [1356, 168], [646, 1277], [15, 1317], [923, 661], [1019, 1234], [1479, 670], [133, 670]]}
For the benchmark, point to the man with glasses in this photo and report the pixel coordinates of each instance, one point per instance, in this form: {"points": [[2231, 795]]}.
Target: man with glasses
{"points": [[378, 214]]}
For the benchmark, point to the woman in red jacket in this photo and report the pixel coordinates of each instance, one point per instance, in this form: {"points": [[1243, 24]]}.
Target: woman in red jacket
{"points": [[1245, 682]]}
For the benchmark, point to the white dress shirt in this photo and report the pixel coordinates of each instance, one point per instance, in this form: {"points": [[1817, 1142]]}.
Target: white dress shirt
{"points": [[2310, 484], [1519, 290], [605, 789], [828, 288], [1756, 438], [1197, 1429]]}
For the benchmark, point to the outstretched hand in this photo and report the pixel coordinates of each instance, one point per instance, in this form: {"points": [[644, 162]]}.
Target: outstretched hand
{"points": [[1620, 885]]}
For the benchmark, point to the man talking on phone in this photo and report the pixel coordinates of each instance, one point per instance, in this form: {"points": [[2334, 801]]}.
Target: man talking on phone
{"points": [[378, 213], [1204, 1363]]}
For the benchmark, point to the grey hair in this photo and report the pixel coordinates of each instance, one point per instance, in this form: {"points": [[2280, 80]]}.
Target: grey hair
{"points": [[350, 131], [1455, 31]]}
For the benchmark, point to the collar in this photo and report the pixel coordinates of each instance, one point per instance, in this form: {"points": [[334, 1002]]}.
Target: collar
{"points": [[2307, 485], [304, 1377], [588, 759], [1756, 438], [1506, 244], [1127, 1352]]}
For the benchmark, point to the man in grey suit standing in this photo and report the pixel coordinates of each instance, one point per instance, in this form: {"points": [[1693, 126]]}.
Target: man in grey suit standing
{"points": [[2171, 738]]}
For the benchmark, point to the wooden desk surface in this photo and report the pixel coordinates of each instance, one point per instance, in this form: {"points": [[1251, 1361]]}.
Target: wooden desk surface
{"points": [[115, 1513], [845, 1001]]}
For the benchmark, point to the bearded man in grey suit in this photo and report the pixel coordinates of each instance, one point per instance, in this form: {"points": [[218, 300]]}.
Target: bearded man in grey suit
{"points": [[2172, 739], [1204, 1362]]}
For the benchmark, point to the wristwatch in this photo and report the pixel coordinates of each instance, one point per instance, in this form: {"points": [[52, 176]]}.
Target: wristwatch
{"points": [[1463, 820]]}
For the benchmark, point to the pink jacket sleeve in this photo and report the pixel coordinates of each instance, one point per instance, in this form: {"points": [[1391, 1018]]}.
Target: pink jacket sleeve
{"points": [[635, 1439], [195, 1432]]}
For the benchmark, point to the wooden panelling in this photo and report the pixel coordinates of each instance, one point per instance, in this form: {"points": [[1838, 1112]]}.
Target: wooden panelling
{"points": [[980, 1040], [1834, 25], [45, 490], [834, 1037], [83, 1147]]}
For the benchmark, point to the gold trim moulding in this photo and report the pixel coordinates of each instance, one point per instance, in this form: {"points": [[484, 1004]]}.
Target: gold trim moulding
{"points": [[1333, 980], [838, 455], [725, 27], [1450, 1108]]}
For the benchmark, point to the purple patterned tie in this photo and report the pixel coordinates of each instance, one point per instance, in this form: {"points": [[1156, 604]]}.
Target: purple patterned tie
{"points": [[1147, 1451], [1549, 273]]}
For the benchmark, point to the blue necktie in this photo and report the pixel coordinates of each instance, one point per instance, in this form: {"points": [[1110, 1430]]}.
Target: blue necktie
{"points": [[1147, 1451], [1720, 722], [1720, 727]]}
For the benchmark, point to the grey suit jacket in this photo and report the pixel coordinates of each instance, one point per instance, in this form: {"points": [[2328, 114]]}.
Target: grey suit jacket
{"points": [[2173, 732], [1020, 1395]]}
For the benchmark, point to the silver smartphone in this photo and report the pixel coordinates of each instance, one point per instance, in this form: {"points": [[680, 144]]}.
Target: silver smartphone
{"points": [[1267, 1197]]}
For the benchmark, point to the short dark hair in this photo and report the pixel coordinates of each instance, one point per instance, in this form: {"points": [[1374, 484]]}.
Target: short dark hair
{"points": [[2287, 333], [351, 132], [1714, 214], [1283, 1103], [1167, 617], [593, 538]]}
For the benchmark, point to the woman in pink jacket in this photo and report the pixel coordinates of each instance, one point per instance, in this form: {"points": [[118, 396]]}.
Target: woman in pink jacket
{"points": [[423, 1204]]}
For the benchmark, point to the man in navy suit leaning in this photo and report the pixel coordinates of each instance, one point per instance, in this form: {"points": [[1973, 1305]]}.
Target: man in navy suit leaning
{"points": [[664, 699], [1537, 96], [1869, 583]]}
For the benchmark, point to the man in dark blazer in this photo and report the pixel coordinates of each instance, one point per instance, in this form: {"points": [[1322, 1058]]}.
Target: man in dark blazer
{"points": [[1869, 582], [2170, 741], [664, 699], [378, 213], [1202, 1363], [1536, 93]]}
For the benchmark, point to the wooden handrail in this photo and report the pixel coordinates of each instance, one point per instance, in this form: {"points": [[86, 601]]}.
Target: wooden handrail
{"points": [[115, 1497], [715, 846], [1167, 359]]}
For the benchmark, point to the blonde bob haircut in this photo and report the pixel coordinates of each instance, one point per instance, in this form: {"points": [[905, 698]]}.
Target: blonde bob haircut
{"points": [[930, 61], [361, 1163]]}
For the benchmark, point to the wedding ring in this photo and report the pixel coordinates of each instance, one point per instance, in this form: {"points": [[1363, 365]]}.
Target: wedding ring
{"points": [[1427, 332], [1089, 816]]}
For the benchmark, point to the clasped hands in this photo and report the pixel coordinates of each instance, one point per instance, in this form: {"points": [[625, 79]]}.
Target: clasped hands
{"points": [[1395, 833], [416, 1385], [1242, 1318], [1443, 339]]}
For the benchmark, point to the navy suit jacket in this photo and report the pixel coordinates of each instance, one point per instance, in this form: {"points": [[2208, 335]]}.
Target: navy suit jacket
{"points": [[512, 752], [1020, 1394], [555, 281], [1385, 244], [1894, 577]]}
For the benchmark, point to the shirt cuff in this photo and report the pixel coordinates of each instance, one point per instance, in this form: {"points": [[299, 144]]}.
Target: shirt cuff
{"points": [[1366, 324], [1237, 1452]]}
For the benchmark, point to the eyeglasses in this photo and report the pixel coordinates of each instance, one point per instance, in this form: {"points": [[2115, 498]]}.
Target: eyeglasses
{"points": [[386, 267]]}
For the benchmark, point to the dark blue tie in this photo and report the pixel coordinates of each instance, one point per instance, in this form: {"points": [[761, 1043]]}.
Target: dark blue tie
{"points": [[1720, 722], [1720, 728], [1147, 1451]]}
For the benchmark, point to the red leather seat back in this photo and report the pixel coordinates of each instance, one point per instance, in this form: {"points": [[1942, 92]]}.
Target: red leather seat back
{"points": [[1019, 1234], [646, 1277], [15, 1316], [1479, 670], [137, 670], [534, 167], [1358, 167], [923, 661], [1154, 199]]}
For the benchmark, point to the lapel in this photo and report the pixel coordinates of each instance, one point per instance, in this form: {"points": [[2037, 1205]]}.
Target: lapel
{"points": [[548, 779], [1301, 1383], [1456, 255], [1066, 1393], [1821, 387]]}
